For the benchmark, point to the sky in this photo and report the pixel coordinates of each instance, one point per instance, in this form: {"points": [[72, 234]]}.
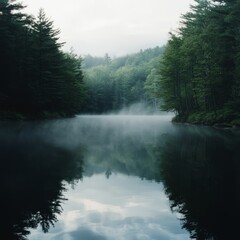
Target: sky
{"points": [[116, 27]]}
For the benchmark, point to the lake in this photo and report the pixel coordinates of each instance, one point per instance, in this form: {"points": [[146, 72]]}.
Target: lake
{"points": [[118, 177]]}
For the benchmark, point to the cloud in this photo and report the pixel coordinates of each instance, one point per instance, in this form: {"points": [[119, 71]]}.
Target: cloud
{"points": [[128, 228], [123, 208], [86, 234], [82, 233], [113, 26], [92, 205]]}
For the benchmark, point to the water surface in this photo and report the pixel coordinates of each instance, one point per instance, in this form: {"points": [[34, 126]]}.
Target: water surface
{"points": [[118, 177]]}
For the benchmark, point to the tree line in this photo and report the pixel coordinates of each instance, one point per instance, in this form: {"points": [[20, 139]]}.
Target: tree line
{"points": [[37, 77], [200, 73], [197, 74], [117, 83]]}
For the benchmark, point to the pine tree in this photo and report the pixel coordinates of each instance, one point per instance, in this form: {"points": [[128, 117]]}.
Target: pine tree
{"points": [[13, 48], [48, 63], [207, 57], [36, 76]]}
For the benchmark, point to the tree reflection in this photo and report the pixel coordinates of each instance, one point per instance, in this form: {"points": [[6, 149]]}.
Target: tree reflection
{"points": [[198, 166], [200, 170], [32, 184]]}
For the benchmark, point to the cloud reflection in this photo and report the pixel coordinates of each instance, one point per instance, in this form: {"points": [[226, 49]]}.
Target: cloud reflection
{"points": [[123, 208]]}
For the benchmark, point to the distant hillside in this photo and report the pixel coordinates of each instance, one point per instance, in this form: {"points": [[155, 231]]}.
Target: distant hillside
{"points": [[116, 83], [132, 59]]}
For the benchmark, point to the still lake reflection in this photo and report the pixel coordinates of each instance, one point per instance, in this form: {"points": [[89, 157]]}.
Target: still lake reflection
{"points": [[118, 177]]}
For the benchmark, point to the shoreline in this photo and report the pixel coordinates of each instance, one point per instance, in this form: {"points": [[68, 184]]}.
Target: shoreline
{"points": [[203, 119], [19, 116]]}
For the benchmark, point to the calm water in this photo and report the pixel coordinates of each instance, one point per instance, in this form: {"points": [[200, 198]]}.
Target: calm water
{"points": [[118, 177]]}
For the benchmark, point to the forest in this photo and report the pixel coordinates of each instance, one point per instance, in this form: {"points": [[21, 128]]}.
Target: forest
{"points": [[200, 70], [37, 78], [117, 83], [196, 75]]}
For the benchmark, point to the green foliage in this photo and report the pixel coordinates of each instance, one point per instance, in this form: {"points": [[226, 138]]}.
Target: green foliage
{"points": [[120, 82], [199, 74], [36, 76]]}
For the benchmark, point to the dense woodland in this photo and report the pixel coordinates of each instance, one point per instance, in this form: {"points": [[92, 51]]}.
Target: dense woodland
{"points": [[197, 75], [200, 70], [117, 83], [37, 77], [39, 80]]}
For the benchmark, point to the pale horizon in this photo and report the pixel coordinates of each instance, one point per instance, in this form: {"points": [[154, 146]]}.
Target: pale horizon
{"points": [[97, 27]]}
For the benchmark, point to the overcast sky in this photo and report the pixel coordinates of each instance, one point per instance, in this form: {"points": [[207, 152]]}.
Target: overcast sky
{"points": [[117, 27]]}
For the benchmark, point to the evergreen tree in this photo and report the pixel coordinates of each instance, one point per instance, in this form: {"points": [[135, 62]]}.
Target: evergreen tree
{"points": [[74, 87], [170, 78], [200, 68], [14, 35], [48, 61], [36, 76]]}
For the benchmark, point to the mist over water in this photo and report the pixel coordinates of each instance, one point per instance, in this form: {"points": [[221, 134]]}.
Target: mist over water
{"points": [[89, 130], [140, 108], [118, 162], [129, 167]]}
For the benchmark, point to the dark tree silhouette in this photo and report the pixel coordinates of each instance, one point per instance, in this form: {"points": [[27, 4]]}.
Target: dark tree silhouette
{"points": [[37, 78]]}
